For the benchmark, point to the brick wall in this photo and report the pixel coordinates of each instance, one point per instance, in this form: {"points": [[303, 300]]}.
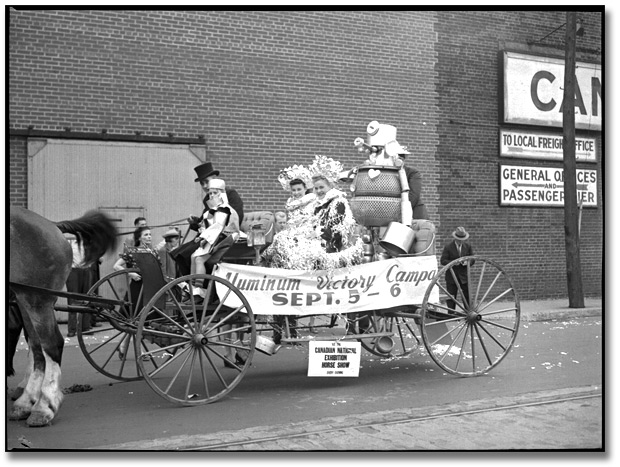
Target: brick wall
{"points": [[269, 89], [528, 242], [18, 172]]}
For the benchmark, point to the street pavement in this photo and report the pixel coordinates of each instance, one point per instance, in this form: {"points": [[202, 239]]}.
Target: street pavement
{"points": [[504, 423], [497, 424]]}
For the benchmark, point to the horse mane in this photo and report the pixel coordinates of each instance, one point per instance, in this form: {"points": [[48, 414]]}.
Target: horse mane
{"points": [[94, 231]]}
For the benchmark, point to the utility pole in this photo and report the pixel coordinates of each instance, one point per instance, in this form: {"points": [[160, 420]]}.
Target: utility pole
{"points": [[571, 225]]}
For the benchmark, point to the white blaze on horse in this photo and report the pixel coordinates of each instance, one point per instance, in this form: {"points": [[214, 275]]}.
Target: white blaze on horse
{"points": [[40, 256]]}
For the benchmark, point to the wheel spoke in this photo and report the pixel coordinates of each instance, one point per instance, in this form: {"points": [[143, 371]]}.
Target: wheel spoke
{"points": [[487, 331], [484, 266], [207, 336], [482, 344], [495, 299]]}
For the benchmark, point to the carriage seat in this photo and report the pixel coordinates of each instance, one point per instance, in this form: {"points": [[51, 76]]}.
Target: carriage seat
{"points": [[265, 218], [240, 252], [152, 275]]}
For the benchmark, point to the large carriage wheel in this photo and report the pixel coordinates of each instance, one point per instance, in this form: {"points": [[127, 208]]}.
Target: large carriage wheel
{"points": [[474, 337], [400, 324], [189, 364], [110, 348]]}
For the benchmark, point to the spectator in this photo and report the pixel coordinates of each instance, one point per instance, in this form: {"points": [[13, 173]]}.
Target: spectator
{"points": [[80, 281], [455, 249], [161, 244], [137, 222], [168, 265], [141, 242]]}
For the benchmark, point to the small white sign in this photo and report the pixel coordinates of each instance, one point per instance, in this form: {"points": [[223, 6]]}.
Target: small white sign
{"points": [[334, 358], [534, 145], [543, 186]]}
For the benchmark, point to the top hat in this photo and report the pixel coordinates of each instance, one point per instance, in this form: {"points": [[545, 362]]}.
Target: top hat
{"points": [[460, 234], [205, 170]]}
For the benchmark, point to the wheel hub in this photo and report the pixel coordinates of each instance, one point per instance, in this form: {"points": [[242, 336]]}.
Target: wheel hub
{"points": [[473, 316], [199, 339]]}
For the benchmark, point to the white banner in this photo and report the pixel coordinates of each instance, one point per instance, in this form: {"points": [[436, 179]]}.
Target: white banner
{"points": [[378, 285]]}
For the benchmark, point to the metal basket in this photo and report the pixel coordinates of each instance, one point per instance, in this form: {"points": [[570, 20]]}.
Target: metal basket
{"points": [[386, 183], [375, 211]]}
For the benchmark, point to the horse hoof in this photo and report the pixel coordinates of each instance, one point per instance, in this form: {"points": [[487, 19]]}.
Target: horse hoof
{"points": [[19, 414], [38, 419]]}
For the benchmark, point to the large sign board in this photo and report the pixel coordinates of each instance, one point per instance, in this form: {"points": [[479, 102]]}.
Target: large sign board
{"points": [[543, 186], [548, 146], [381, 284], [533, 92]]}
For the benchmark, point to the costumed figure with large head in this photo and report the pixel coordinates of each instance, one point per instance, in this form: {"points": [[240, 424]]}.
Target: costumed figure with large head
{"points": [[384, 199]]}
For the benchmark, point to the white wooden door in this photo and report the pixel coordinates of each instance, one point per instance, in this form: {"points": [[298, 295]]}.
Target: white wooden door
{"points": [[66, 178]]}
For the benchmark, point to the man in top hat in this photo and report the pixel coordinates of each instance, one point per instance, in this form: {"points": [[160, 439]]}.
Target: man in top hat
{"points": [[455, 249], [204, 173]]}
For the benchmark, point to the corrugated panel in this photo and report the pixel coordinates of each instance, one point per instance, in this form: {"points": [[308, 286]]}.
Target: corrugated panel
{"points": [[69, 177]]}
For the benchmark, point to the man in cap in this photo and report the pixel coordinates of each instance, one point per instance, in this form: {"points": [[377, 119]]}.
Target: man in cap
{"points": [[204, 173], [455, 249], [171, 241]]}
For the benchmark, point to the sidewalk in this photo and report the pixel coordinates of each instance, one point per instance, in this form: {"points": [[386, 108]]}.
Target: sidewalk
{"points": [[545, 310]]}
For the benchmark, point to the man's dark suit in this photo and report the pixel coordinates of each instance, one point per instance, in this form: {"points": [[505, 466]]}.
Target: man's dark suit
{"points": [[414, 178], [450, 253]]}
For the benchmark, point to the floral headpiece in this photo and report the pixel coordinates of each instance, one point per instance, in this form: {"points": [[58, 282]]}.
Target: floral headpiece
{"points": [[291, 173], [327, 167]]}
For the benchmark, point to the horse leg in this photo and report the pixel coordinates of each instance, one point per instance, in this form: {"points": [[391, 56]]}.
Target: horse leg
{"points": [[48, 405], [14, 330], [42, 395], [28, 389], [19, 390]]}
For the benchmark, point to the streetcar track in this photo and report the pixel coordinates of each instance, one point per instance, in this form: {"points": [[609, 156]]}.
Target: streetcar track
{"points": [[280, 437]]}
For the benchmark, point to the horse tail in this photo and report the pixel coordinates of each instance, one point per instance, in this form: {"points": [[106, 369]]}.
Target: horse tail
{"points": [[95, 231]]}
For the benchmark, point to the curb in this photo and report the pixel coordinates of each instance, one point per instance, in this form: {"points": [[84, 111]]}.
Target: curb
{"points": [[553, 315]]}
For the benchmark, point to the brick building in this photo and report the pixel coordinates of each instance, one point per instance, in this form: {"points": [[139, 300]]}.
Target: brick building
{"points": [[256, 91]]}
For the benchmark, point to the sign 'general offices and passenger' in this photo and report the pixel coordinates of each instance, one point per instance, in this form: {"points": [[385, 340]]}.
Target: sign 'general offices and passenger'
{"points": [[543, 186], [533, 92], [539, 145]]}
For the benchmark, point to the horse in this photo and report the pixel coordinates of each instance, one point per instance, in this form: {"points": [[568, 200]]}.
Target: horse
{"points": [[41, 256]]}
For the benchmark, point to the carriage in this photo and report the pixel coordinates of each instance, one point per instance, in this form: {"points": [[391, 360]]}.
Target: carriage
{"points": [[180, 347]]}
